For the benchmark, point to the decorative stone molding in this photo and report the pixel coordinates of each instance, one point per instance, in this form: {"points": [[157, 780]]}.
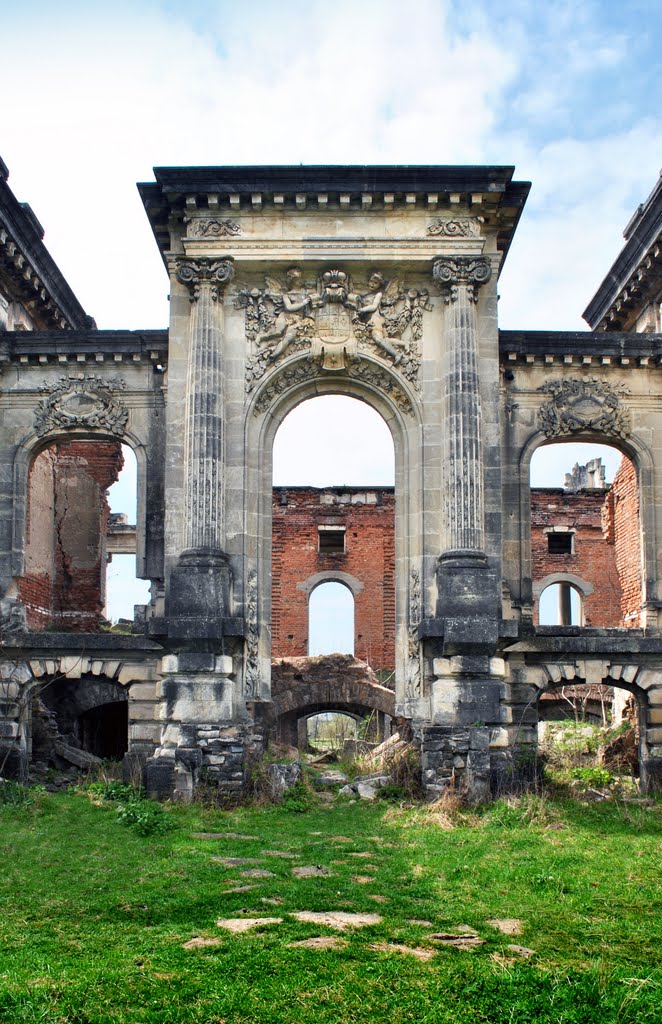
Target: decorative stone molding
{"points": [[288, 378], [82, 402], [195, 273], [413, 688], [452, 271], [333, 323], [455, 227], [583, 404], [383, 381], [252, 675], [211, 227]]}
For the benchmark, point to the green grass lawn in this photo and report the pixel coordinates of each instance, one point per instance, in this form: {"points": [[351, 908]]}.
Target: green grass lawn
{"points": [[95, 917]]}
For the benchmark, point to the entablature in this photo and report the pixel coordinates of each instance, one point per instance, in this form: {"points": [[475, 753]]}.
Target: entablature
{"points": [[83, 347]]}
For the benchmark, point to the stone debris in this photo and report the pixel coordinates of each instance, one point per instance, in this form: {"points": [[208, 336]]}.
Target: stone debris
{"points": [[521, 950], [280, 853], [311, 871], [283, 777], [360, 854], [198, 942], [244, 924], [377, 898], [319, 942], [362, 879], [464, 937], [332, 777], [419, 923], [396, 947], [275, 901], [240, 888], [257, 873], [507, 925], [219, 835], [339, 919], [234, 862]]}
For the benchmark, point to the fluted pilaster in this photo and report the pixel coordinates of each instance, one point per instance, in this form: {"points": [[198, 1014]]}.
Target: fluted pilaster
{"points": [[206, 279], [460, 279]]}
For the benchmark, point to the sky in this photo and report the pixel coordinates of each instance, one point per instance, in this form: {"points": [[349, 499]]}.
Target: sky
{"points": [[93, 95]]}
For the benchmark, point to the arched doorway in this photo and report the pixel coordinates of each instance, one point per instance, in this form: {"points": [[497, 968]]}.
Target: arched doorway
{"points": [[331, 620]]}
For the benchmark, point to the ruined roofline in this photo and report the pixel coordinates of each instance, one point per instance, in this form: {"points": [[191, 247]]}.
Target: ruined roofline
{"points": [[338, 488], [362, 186], [587, 348], [636, 270], [34, 277]]}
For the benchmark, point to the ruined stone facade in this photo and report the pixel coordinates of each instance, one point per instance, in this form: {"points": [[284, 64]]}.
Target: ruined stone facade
{"points": [[379, 283]]}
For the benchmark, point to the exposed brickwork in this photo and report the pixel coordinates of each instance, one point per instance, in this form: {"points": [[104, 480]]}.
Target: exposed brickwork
{"points": [[622, 525], [368, 516], [592, 559], [65, 565]]}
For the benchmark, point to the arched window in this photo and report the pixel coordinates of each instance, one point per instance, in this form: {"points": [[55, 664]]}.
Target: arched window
{"points": [[561, 605], [331, 620]]}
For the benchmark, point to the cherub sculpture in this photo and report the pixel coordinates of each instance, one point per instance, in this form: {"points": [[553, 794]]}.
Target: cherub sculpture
{"points": [[380, 295], [293, 305]]}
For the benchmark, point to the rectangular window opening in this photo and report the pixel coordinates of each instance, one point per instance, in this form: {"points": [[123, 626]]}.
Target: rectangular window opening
{"points": [[560, 543], [331, 540]]}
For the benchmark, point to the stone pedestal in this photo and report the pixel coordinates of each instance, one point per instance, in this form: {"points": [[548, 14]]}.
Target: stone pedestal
{"points": [[203, 735]]}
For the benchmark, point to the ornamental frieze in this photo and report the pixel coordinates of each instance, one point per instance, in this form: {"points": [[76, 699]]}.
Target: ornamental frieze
{"points": [[455, 227], [583, 404], [77, 402], [211, 227], [333, 323]]}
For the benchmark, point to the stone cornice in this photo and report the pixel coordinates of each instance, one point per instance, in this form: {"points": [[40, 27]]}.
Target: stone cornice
{"points": [[580, 348], [636, 274], [83, 347], [30, 273]]}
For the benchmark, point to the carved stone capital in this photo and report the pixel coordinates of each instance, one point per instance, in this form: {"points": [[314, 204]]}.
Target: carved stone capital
{"points": [[453, 272], [196, 273]]}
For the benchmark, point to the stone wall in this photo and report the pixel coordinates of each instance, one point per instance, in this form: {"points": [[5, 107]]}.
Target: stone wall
{"points": [[366, 565]]}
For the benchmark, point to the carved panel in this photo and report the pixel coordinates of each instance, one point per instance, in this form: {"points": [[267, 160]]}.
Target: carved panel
{"points": [[414, 663], [583, 404], [252, 681], [333, 323], [75, 402], [455, 227], [211, 227]]}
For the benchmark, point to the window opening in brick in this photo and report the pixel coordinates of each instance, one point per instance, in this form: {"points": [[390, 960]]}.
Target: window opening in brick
{"points": [[560, 543], [585, 502], [331, 620], [560, 605], [331, 540]]}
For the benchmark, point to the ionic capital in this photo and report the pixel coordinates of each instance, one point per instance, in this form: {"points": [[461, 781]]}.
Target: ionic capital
{"points": [[452, 272], [195, 273]]}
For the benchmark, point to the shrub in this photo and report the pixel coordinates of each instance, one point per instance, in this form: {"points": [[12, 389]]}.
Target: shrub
{"points": [[145, 817], [13, 794]]}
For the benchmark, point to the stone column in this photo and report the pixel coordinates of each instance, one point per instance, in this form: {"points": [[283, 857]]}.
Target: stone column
{"points": [[466, 586], [198, 599]]}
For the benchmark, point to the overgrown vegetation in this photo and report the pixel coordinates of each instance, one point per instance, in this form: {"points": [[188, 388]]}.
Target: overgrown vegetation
{"points": [[96, 917]]}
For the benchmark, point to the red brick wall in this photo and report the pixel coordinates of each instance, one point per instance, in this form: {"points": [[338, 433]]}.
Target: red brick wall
{"points": [[622, 525], [368, 516], [65, 564], [594, 554]]}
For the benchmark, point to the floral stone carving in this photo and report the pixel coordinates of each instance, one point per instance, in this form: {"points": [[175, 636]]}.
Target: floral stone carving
{"points": [[76, 402], [333, 323], [583, 404], [456, 227], [211, 227]]}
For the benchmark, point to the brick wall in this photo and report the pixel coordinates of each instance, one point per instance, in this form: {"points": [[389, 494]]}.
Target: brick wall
{"points": [[65, 563], [368, 516], [594, 554], [622, 526]]}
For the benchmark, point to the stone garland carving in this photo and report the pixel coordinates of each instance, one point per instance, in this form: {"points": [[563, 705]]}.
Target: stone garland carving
{"points": [[583, 404], [211, 227], [252, 682], [383, 381], [450, 272], [333, 323], [194, 273], [457, 227], [87, 401], [284, 381], [414, 665]]}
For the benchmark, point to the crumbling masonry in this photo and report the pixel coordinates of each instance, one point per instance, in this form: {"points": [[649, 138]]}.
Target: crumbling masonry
{"points": [[285, 283]]}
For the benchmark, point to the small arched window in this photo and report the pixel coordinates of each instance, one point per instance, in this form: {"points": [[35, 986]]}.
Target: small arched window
{"points": [[331, 620]]}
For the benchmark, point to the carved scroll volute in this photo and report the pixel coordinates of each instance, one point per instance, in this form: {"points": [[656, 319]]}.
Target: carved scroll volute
{"points": [[452, 272], [213, 273]]}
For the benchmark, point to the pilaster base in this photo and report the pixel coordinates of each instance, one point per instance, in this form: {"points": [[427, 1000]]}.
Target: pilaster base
{"points": [[199, 596], [456, 761]]}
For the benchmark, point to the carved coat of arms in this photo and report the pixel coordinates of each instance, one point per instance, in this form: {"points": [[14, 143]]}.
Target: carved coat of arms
{"points": [[333, 322], [583, 404], [89, 402]]}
